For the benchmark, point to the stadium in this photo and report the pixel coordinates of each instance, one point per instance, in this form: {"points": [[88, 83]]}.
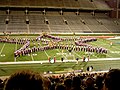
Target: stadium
{"points": [[59, 36]]}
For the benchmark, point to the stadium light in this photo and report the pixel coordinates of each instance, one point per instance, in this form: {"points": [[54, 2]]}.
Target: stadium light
{"points": [[26, 11], [44, 12], [8, 11], [6, 21], [61, 12], [27, 21], [65, 21]]}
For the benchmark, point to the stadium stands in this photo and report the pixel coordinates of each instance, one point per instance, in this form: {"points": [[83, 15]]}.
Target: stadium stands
{"points": [[78, 16], [83, 4], [16, 24], [2, 21], [83, 81], [83, 23]]}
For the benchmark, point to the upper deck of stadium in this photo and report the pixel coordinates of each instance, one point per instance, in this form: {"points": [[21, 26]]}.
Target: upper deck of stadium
{"points": [[58, 16], [70, 4]]}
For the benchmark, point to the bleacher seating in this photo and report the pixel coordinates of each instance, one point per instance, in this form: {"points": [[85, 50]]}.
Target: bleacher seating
{"points": [[73, 20], [2, 23], [84, 4], [36, 19], [113, 28], [60, 29], [16, 24], [52, 21], [34, 28], [79, 28], [98, 29], [67, 23], [55, 20], [100, 4]]}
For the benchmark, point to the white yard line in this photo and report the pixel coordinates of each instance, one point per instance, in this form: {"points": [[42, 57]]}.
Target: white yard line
{"points": [[32, 57], [62, 54], [77, 54], [46, 61], [111, 46], [115, 47], [2, 49], [74, 51], [15, 59], [46, 53], [106, 54]]}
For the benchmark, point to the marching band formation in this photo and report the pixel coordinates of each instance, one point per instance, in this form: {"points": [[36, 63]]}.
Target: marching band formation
{"points": [[80, 45]]}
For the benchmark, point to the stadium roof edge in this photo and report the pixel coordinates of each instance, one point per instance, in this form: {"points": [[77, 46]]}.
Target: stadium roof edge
{"points": [[64, 8]]}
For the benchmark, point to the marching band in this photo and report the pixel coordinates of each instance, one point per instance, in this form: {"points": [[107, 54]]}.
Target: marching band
{"points": [[80, 45]]}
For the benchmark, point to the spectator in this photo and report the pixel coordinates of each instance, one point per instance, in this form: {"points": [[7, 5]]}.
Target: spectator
{"points": [[1, 84], [60, 87], [99, 82], [90, 84], [76, 84], [68, 83], [112, 80], [47, 83], [25, 80], [55, 82]]}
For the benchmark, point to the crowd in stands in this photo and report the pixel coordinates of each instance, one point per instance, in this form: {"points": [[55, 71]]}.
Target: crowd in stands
{"points": [[30, 80]]}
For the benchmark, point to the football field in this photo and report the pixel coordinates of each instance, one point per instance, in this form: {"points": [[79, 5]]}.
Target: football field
{"points": [[38, 60]]}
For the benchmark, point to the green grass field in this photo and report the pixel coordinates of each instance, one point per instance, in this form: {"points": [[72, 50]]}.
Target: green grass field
{"points": [[7, 55]]}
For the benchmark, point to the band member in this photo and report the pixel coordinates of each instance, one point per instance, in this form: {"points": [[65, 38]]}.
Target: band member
{"points": [[111, 43], [84, 58]]}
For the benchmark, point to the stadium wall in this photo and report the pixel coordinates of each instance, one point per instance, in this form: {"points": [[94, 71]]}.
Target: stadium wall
{"points": [[115, 5]]}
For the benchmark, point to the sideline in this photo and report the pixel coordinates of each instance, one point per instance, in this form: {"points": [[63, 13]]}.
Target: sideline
{"points": [[2, 48], [46, 61]]}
